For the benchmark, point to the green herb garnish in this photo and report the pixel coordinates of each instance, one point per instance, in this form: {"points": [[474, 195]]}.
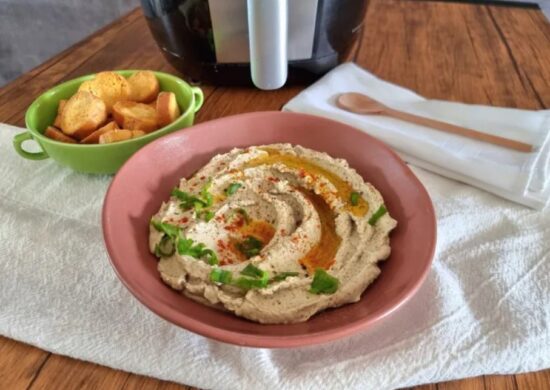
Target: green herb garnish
{"points": [[166, 246], [282, 276], [166, 228], [243, 212], [157, 251], [187, 247], [247, 283], [156, 225], [183, 244], [250, 247], [188, 201], [253, 271], [323, 283], [210, 256], [198, 206], [197, 203], [205, 215], [259, 279], [219, 275], [377, 215], [233, 187], [354, 198], [173, 239], [207, 196], [208, 215]]}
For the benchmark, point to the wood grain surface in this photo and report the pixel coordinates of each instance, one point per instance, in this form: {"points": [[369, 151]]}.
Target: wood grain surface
{"points": [[445, 50]]}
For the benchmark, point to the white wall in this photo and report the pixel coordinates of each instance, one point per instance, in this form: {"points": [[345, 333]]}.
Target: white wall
{"points": [[31, 31]]}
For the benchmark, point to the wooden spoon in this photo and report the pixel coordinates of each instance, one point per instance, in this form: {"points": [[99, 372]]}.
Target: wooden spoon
{"points": [[362, 104]]}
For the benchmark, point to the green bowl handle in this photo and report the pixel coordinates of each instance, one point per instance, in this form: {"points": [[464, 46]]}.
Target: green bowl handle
{"points": [[18, 140], [199, 97]]}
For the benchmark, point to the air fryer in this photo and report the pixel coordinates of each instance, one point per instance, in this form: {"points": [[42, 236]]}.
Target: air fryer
{"points": [[264, 42]]}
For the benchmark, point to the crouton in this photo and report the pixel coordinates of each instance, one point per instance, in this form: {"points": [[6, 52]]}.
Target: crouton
{"points": [[94, 137], [167, 108], [119, 135], [82, 115], [57, 121], [144, 86], [56, 134], [135, 116], [109, 87]]}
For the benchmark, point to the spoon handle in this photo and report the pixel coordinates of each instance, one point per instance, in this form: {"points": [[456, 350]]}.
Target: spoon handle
{"points": [[450, 128]]}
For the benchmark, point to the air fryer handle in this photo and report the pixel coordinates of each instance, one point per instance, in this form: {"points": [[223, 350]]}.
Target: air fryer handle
{"points": [[268, 37]]}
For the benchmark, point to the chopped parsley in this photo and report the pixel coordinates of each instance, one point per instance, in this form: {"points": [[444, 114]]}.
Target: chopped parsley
{"points": [[250, 247], [253, 271], [166, 228], [218, 275], [165, 248], [323, 283], [282, 276], [354, 198], [232, 188], [173, 239], [377, 215], [253, 277], [188, 247], [210, 256], [198, 203], [188, 201], [258, 278], [206, 195], [248, 283], [244, 214], [205, 215]]}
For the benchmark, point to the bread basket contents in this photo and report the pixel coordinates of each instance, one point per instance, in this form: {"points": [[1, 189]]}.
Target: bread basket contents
{"points": [[135, 116], [112, 108], [273, 233]]}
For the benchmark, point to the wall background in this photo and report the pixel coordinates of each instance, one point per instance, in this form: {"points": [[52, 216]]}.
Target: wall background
{"points": [[31, 31]]}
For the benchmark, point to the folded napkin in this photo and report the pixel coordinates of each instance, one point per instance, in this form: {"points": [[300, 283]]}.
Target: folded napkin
{"points": [[482, 310], [520, 177]]}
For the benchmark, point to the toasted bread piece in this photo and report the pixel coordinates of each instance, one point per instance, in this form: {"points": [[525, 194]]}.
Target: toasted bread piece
{"points": [[109, 87], [82, 115], [56, 134], [94, 137], [138, 133], [167, 108], [119, 135], [57, 121], [135, 116], [144, 86], [87, 85]]}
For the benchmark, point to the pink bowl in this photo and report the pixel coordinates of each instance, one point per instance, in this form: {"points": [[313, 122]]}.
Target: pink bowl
{"points": [[146, 179]]}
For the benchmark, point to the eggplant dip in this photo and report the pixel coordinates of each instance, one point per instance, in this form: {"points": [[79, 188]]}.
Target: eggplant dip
{"points": [[272, 233]]}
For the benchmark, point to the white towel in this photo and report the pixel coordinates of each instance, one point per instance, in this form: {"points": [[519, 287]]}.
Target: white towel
{"points": [[483, 309], [517, 176]]}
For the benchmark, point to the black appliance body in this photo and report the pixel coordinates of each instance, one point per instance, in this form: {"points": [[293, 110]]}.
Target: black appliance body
{"points": [[208, 40]]}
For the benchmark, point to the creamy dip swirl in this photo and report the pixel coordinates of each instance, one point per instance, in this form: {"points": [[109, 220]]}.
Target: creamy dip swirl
{"points": [[273, 233]]}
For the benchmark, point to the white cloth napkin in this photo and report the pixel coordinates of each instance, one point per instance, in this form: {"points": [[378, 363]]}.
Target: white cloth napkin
{"points": [[483, 309], [517, 176]]}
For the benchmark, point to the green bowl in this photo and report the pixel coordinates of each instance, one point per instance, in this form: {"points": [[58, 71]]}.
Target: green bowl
{"points": [[106, 158]]}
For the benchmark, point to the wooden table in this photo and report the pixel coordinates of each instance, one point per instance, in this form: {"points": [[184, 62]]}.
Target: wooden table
{"points": [[452, 51]]}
